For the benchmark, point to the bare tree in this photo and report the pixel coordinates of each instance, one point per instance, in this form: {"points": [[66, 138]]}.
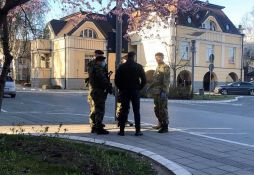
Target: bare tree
{"points": [[248, 25]]}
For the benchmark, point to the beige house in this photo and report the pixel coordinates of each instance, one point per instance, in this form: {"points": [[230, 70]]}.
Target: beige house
{"points": [[62, 59], [213, 33]]}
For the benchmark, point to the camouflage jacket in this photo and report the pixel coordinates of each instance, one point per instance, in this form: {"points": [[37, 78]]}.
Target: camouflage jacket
{"points": [[161, 79], [98, 78]]}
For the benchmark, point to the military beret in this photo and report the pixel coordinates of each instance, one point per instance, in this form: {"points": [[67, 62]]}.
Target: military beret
{"points": [[100, 52], [100, 58]]}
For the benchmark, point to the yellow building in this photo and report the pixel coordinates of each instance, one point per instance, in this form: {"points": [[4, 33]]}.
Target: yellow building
{"points": [[61, 59], [213, 33]]}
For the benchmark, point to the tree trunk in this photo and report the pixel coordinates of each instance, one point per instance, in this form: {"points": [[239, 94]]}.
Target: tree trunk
{"points": [[7, 57]]}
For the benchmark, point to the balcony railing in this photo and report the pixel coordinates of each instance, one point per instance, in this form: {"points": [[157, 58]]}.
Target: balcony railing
{"points": [[41, 44]]}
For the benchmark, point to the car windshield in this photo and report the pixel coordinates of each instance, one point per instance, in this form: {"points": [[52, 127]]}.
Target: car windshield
{"points": [[9, 79]]}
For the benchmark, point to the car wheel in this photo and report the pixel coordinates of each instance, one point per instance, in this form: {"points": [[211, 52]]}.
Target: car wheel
{"points": [[252, 92], [224, 92], [13, 95]]}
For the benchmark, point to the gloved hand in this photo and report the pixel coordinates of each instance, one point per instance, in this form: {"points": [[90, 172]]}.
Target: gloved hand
{"points": [[163, 95]]}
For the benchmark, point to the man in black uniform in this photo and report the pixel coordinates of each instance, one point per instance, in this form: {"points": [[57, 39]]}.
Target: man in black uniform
{"points": [[130, 79]]}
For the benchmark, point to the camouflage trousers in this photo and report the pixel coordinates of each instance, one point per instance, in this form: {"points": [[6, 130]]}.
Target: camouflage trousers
{"points": [[161, 110], [96, 99]]}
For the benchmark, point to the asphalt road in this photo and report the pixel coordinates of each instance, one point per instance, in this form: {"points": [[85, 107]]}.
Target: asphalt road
{"points": [[232, 122]]}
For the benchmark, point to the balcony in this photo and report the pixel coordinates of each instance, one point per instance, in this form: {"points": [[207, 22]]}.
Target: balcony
{"points": [[41, 45], [85, 43]]}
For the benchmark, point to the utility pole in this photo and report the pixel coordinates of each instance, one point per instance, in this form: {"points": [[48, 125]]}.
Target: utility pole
{"points": [[193, 50], [119, 33]]}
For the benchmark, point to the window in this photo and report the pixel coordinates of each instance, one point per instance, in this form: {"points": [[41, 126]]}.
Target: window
{"points": [[88, 33], [86, 61], [232, 55], [209, 25], [212, 26], [210, 50], [235, 84], [184, 51], [246, 84]]}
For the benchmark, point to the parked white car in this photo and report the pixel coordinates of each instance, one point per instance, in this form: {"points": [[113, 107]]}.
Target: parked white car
{"points": [[10, 87]]}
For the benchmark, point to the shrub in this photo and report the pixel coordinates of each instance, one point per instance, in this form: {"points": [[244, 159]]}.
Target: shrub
{"points": [[56, 87], [179, 93]]}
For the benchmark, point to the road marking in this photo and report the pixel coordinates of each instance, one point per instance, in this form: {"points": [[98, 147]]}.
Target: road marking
{"points": [[149, 124], [3, 110], [204, 136], [205, 128], [49, 113], [50, 92], [221, 133], [219, 139]]}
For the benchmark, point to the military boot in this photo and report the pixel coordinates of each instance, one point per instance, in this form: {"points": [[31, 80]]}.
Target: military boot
{"points": [[163, 129], [93, 129], [101, 131]]}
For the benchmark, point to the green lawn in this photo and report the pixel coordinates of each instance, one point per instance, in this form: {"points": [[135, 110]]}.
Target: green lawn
{"points": [[213, 97], [52, 156]]}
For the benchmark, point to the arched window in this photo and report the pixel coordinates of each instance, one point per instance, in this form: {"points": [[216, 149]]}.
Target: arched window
{"points": [[212, 26], [88, 33]]}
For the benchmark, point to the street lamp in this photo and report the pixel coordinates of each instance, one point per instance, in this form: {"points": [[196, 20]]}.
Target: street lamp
{"points": [[193, 50], [241, 29]]}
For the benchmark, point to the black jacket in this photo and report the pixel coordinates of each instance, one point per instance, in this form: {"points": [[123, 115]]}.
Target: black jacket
{"points": [[130, 75]]}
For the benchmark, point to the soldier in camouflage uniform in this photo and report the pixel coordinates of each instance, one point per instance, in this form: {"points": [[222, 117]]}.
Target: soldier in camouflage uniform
{"points": [[159, 89], [99, 86], [91, 65]]}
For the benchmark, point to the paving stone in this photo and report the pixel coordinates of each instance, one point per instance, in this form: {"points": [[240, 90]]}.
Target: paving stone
{"points": [[228, 168], [242, 172], [214, 171], [198, 166]]}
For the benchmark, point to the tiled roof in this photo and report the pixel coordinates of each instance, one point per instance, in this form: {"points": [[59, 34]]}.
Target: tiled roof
{"points": [[57, 25], [202, 12]]}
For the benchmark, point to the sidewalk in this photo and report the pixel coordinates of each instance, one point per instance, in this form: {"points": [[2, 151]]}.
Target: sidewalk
{"points": [[198, 155]]}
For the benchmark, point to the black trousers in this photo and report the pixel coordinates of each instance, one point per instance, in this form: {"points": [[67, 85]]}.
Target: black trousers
{"points": [[127, 96]]}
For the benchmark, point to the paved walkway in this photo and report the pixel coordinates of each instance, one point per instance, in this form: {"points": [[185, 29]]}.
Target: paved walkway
{"points": [[199, 155]]}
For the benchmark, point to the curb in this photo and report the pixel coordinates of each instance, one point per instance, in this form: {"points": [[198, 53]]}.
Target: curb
{"points": [[197, 101], [170, 165]]}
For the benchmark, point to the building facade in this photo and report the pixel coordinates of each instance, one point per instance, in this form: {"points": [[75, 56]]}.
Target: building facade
{"points": [[213, 33], [62, 59]]}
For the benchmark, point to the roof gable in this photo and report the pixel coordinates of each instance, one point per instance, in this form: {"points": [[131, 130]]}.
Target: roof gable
{"points": [[57, 25]]}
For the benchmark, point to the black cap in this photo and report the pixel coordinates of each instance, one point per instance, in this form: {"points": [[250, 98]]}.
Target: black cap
{"points": [[100, 52], [100, 58]]}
